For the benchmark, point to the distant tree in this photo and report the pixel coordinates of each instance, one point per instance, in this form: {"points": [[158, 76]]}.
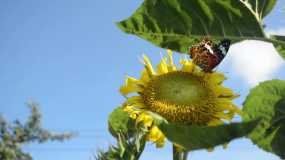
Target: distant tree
{"points": [[13, 136]]}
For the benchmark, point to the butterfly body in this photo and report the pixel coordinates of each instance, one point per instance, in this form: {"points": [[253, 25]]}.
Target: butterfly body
{"points": [[207, 55]]}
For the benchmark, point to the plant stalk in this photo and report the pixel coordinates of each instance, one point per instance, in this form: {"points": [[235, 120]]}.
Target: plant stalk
{"points": [[185, 154], [176, 155]]}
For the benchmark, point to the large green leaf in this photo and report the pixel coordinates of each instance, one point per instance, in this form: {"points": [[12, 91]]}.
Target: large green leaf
{"points": [[268, 102], [280, 48], [196, 137], [118, 122], [177, 24], [260, 8]]}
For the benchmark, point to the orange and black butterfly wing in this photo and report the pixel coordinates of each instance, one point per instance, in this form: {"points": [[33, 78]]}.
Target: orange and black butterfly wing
{"points": [[201, 54], [206, 55]]}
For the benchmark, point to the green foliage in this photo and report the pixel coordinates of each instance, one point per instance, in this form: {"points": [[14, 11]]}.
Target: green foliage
{"points": [[12, 137], [120, 122], [195, 137], [280, 48], [177, 24], [267, 101], [126, 150]]}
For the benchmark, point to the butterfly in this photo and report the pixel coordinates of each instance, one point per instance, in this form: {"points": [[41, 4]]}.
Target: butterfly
{"points": [[207, 56]]}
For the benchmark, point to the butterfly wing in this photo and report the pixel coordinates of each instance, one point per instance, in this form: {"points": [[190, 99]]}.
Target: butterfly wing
{"points": [[206, 55], [201, 54], [207, 44], [196, 55], [220, 51]]}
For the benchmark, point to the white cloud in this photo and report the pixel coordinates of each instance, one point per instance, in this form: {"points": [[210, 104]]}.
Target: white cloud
{"points": [[280, 31], [255, 61]]}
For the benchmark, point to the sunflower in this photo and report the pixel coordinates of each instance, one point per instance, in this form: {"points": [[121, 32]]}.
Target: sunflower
{"points": [[185, 96]]}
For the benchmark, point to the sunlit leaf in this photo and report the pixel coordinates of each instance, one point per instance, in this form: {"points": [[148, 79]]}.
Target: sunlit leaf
{"points": [[177, 24], [280, 48], [268, 102], [118, 121], [197, 137]]}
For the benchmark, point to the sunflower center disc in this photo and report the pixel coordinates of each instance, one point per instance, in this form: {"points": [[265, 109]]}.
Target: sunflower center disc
{"points": [[181, 97]]}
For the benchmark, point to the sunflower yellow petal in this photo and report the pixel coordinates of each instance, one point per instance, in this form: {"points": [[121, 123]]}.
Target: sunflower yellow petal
{"points": [[147, 119], [184, 62], [175, 68], [138, 105], [193, 67], [170, 60], [219, 76], [231, 114], [214, 81], [210, 149], [153, 133], [211, 123], [125, 90], [237, 110], [134, 99], [201, 73], [132, 81], [224, 101], [127, 109], [215, 122], [141, 111], [222, 115], [160, 140], [157, 136], [233, 97], [220, 90], [178, 148], [145, 77], [162, 67], [206, 76], [224, 107], [149, 66], [133, 115], [225, 145], [227, 101], [187, 67]]}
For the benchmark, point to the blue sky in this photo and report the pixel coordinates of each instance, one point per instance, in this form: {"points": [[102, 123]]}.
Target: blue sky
{"points": [[70, 57]]}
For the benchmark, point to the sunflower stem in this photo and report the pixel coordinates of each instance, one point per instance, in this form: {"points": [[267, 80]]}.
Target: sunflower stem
{"points": [[185, 154], [176, 155]]}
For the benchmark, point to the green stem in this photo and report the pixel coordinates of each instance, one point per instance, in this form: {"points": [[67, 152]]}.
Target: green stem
{"points": [[185, 155], [176, 155]]}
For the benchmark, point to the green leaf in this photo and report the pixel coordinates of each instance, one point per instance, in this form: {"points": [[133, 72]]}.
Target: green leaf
{"points": [[127, 149], [268, 102], [280, 48], [140, 139], [197, 137], [177, 24], [260, 7], [120, 121]]}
